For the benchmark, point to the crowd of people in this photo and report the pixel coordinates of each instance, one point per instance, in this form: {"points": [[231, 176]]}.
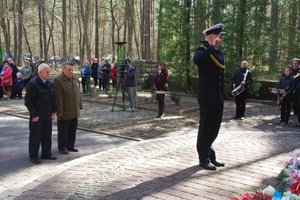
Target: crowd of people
{"points": [[101, 75]]}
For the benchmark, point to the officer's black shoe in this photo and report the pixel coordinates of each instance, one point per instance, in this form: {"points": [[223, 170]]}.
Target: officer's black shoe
{"points": [[48, 157], [235, 117], [36, 160], [63, 151], [207, 166], [73, 149], [218, 164]]}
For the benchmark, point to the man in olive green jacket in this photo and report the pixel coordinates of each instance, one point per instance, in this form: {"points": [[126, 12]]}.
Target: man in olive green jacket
{"points": [[69, 104]]}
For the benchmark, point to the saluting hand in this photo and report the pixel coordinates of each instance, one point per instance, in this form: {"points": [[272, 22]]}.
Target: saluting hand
{"points": [[218, 41]]}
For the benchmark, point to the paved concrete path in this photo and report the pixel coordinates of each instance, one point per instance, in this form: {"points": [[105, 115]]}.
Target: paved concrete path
{"points": [[162, 168]]}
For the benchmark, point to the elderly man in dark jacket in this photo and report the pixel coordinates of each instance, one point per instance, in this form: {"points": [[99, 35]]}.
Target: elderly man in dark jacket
{"points": [[69, 104], [40, 102]]}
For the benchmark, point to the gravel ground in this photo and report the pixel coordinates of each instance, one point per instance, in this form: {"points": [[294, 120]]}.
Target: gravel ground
{"points": [[143, 124]]}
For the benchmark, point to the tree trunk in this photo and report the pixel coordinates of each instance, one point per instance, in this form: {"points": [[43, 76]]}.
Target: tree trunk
{"points": [[40, 31], [64, 30], [15, 33], [6, 29], [274, 36], [142, 28], [19, 56], [96, 30], [147, 30], [187, 44], [158, 51], [27, 42]]}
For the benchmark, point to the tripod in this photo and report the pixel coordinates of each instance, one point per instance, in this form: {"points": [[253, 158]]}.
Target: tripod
{"points": [[123, 88]]}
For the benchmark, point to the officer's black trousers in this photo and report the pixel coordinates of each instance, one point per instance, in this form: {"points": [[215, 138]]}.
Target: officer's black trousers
{"points": [[295, 102], [240, 103], [66, 133], [210, 121], [40, 133]]}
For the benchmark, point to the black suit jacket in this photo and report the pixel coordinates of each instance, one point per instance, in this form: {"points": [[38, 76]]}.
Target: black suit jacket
{"points": [[40, 99], [211, 77]]}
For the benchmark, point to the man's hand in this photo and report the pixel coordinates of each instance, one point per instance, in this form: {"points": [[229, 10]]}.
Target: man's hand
{"points": [[124, 71], [60, 114], [243, 83], [218, 41], [36, 119], [284, 95], [233, 85], [53, 116]]}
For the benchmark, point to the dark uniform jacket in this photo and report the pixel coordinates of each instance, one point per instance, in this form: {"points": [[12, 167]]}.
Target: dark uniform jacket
{"points": [[287, 83], [239, 75], [211, 77], [68, 97], [40, 98]]}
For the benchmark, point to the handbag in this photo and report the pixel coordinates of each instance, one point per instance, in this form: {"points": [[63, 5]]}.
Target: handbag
{"points": [[5, 82]]}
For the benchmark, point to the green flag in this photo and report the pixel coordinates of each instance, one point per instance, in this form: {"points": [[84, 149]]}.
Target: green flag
{"points": [[2, 53]]}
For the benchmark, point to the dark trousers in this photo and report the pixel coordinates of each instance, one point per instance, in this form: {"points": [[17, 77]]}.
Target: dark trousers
{"points": [[160, 98], [40, 134], [101, 84], [83, 82], [285, 109], [240, 103], [106, 83], [295, 102], [19, 93], [95, 81], [66, 133], [13, 93], [114, 83], [210, 121], [26, 81]]}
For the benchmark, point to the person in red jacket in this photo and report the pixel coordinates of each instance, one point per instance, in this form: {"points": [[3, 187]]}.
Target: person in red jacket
{"points": [[6, 79], [113, 73], [159, 85]]}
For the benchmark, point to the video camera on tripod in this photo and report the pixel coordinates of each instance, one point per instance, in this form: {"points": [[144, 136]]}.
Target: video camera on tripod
{"points": [[123, 67]]}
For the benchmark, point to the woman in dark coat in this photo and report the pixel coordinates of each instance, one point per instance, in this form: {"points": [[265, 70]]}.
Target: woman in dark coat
{"points": [[106, 75], [160, 84], [94, 68]]}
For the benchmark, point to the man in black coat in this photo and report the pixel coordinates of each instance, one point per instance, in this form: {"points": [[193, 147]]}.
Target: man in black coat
{"points": [[40, 102], [236, 80], [14, 76], [296, 75], [211, 67]]}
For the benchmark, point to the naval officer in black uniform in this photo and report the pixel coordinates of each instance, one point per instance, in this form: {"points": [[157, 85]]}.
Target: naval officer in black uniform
{"points": [[211, 61]]}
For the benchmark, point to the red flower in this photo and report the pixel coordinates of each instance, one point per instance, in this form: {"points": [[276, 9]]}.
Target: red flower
{"points": [[295, 188]]}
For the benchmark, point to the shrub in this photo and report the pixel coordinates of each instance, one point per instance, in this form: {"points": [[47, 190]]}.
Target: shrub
{"points": [[111, 92], [175, 98]]}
